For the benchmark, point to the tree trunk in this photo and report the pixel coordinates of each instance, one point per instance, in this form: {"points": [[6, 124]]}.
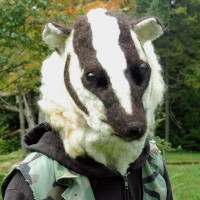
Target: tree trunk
{"points": [[22, 121], [29, 113], [167, 125], [167, 116], [41, 117]]}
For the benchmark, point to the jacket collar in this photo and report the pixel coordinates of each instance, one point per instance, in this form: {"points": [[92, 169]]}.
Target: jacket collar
{"points": [[44, 139]]}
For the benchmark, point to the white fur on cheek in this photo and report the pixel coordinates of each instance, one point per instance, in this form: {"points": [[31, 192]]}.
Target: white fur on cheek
{"points": [[52, 80], [155, 91], [57, 104]]}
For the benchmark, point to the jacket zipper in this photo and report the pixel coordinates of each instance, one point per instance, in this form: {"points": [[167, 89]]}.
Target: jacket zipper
{"points": [[126, 185]]}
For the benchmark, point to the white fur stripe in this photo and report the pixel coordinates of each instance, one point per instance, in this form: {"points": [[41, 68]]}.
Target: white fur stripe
{"points": [[105, 27], [138, 47]]}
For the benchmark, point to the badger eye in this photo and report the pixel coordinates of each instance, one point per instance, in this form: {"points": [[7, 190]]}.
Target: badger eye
{"points": [[139, 72], [90, 76], [97, 80], [143, 68]]}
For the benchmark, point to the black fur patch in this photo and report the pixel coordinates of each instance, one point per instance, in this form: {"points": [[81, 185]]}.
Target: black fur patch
{"points": [[70, 88]]}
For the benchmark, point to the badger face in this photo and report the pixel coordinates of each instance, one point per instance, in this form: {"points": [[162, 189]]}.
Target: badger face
{"points": [[113, 77], [108, 73]]}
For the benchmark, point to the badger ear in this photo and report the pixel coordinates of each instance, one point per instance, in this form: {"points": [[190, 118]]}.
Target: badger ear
{"points": [[148, 28], [55, 36]]}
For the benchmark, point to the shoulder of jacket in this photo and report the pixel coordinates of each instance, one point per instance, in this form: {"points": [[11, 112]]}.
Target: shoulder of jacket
{"points": [[153, 174], [37, 162], [155, 160], [154, 150]]}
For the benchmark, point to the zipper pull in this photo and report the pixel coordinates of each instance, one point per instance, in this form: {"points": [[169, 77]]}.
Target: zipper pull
{"points": [[126, 180]]}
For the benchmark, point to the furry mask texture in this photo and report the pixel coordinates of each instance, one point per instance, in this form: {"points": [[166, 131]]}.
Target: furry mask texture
{"points": [[101, 86]]}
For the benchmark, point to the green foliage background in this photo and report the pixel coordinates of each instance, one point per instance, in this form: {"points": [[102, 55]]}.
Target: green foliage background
{"points": [[22, 51]]}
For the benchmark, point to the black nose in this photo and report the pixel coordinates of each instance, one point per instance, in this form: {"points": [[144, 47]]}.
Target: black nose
{"points": [[135, 130]]}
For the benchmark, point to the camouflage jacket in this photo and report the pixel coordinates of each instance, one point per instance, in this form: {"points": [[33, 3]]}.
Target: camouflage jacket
{"points": [[50, 180]]}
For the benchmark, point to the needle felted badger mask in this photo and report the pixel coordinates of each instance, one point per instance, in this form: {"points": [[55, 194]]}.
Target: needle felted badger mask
{"points": [[102, 84]]}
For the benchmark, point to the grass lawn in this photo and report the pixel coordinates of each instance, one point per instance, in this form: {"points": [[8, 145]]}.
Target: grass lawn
{"points": [[182, 158], [185, 181], [184, 172], [185, 178]]}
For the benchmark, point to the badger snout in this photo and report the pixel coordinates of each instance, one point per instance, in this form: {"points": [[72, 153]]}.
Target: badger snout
{"points": [[135, 130]]}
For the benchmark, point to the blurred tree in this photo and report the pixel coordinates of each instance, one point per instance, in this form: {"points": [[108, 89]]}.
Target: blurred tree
{"points": [[21, 52]]}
